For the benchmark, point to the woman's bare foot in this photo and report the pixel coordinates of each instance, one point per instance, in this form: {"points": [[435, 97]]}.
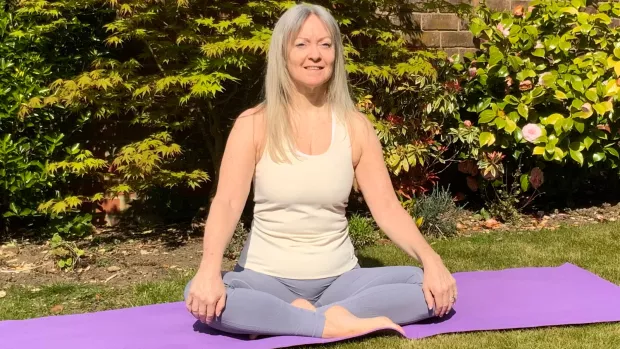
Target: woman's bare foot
{"points": [[303, 304], [339, 322], [299, 303]]}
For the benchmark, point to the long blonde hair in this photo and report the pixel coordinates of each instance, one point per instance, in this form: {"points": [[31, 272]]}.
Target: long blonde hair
{"points": [[279, 85]]}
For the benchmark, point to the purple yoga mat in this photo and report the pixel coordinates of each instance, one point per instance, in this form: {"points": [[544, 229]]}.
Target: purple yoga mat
{"points": [[488, 300]]}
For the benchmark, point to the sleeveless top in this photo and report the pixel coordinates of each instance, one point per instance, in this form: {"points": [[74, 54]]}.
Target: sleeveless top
{"points": [[299, 229]]}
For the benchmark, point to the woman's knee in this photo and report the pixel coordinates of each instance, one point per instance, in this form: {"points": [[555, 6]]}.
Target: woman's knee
{"points": [[410, 274]]}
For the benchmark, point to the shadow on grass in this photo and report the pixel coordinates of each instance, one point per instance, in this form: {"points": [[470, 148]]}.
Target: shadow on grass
{"points": [[369, 262]]}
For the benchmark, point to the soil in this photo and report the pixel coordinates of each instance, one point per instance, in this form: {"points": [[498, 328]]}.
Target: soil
{"points": [[127, 255]]}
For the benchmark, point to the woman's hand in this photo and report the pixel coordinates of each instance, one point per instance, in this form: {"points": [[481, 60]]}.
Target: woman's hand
{"points": [[439, 287], [207, 296]]}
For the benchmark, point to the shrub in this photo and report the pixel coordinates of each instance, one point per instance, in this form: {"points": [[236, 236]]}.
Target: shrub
{"points": [[36, 48], [234, 248], [437, 213], [177, 73], [363, 231], [543, 92]]}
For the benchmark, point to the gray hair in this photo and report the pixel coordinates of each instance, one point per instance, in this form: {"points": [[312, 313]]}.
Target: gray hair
{"points": [[279, 85]]}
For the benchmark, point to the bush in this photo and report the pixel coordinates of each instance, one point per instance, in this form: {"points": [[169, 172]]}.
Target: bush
{"points": [[158, 99], [543, 92], [234, 248], [437, 212], [363, 231]]}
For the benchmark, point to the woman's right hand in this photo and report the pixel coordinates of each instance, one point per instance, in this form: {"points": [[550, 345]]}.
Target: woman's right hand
{"points": [[207, 296]]}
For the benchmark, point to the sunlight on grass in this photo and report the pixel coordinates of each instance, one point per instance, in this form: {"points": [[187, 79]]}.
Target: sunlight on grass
{"points": [[592, 247]]}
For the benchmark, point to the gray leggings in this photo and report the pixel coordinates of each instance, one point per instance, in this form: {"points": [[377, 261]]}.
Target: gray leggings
{"points": [[260, 304]]}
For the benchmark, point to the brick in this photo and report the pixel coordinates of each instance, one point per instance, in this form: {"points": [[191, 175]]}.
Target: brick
{"points": [[419, 6], [417, 18], [498, 5], [430, 39], [615, 22], [440, 21], [457, 39]]}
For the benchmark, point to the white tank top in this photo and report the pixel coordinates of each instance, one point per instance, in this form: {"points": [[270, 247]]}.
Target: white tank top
{"points": [[299, 229]]}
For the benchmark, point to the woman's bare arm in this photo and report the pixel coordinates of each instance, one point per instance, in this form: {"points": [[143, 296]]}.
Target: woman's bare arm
{"points": [[234, 183]]}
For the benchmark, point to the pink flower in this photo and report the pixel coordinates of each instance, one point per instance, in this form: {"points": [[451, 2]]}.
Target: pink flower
{"points": [[539, 45], [525, 85], [467, 123], [531, 132], [537, 177], [473, 71], [518, 11], [505, 31], [586, 107]]}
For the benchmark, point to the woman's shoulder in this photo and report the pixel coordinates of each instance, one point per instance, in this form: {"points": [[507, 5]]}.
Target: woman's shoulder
{"points": [[252, 122], [360, 127], [361, 131]]}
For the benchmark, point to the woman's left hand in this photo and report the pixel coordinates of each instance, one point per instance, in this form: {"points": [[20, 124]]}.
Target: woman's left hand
{"points": [[439, 287]]}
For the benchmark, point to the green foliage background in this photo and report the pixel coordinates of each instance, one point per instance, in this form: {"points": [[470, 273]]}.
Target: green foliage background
{"points": [[106, 97]]}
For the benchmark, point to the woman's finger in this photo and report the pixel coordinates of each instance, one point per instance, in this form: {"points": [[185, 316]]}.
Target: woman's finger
{"points": [[188, 303], [445, 299], [219, 307], [428, 296], [196, 308], [210, 312]]}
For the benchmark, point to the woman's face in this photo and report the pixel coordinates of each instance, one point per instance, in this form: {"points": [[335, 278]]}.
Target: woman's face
{"points": [[311, 55]]}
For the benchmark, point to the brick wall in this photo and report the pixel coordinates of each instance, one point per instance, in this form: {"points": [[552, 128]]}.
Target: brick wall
{"points": [[448, 32]]}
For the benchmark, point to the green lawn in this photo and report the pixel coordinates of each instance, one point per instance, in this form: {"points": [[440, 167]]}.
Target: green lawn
{"points": [[594, 247]]}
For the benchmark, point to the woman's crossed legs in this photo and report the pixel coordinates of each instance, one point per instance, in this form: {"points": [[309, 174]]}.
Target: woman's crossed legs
{"points": [[362, 299]]}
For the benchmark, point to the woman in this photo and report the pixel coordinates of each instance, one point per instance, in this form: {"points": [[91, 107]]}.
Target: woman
{"points": [[302, 147]]}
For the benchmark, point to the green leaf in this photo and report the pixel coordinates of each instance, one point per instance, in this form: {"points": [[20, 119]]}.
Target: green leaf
{"points": [[538, 150], [564, 45], [571, 10], [588, 141], [612, 151], [591, 95], [523, 110], [577, 85], [579, 125], [617, 52], [515, 62], [577, 156], [487, 116], [600, 108], [539, 52], [599, 156], [576, 146], [486, 138], [510, 126], [525, 182], [553, 118], [578, 3], [560, 95], [495, 56], [500, 123]]}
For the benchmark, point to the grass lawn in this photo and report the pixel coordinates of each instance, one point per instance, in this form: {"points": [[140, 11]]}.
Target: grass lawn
{"points": [[594, 247]]}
